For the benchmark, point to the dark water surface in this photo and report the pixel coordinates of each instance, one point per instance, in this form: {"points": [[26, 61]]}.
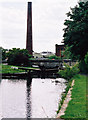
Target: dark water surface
{"points": [[38, 100]]}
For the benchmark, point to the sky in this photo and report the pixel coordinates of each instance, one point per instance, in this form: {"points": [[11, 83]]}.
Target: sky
{"points": [[47, 23]]}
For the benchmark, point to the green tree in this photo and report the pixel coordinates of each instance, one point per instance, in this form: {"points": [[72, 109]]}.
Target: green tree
{"points": [[86, 60], [76, 31], [4, 53], [17, 56], [67, 53], [83, 0]]}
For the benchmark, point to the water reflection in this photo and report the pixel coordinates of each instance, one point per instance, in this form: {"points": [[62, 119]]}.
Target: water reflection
{"points": [[29, 98], [13, 98], [26, 99]]}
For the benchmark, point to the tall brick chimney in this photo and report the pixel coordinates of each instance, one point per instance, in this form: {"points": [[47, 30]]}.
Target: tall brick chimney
{"points": [[29, 28]]}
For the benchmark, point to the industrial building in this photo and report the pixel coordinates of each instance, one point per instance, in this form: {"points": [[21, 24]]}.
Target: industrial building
{"points": [[59, 49]]}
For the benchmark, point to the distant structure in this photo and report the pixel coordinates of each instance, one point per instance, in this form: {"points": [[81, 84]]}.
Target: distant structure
{"points": [[29, 29], [47, 54], [59, 50], [44, 54]]}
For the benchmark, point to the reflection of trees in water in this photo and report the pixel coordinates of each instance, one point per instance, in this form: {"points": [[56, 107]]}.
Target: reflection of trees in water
{"points": [[29, 97]]}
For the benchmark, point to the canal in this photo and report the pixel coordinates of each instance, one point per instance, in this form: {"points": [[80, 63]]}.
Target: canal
{"points": [[40, 99]]}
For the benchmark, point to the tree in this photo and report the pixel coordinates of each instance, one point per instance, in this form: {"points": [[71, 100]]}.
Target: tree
{"points": [[83, 0], [4, 53], [17, 56], [67, 53], [76, 31], [86, 60]]}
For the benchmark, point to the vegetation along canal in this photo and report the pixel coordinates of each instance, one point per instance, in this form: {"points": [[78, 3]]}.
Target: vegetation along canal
{"points": [[38, 100]]}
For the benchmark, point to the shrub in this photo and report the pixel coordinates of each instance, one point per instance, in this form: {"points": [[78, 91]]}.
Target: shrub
{"points": [[18, 57], [83, 66], [4, 53], [54, 57], [86, 58], [69, 72], [86, 61]]}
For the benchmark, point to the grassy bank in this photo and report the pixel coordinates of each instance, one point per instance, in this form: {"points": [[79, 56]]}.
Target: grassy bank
{"points": [[77, 106], [10, 69]]}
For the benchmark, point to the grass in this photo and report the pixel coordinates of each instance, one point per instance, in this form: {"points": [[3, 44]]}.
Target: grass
{"points": [[87, 95], [77, 106], [8, 69]]}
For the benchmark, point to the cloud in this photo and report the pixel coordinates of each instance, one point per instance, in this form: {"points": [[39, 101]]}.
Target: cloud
{"points": [[11, 1], [48, 18], [48, 21], [13, 22]]}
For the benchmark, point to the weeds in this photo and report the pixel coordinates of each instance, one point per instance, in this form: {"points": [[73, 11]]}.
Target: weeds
{"points": [[69, 72]]}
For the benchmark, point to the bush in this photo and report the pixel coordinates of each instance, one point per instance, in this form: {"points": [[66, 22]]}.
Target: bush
{"points": [[69, 72], [86, 61], [83, 65], [18, 57], [86, 58], [54, 57], [4, 53]]}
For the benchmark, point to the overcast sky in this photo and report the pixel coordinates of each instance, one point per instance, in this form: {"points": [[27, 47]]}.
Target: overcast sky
{"points": [[47, 20]]}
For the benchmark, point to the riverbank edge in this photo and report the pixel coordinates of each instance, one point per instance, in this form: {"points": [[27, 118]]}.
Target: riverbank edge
{"points": [[81, 77], [14, 75], [66, 100], [10, 71], [64, 95]]}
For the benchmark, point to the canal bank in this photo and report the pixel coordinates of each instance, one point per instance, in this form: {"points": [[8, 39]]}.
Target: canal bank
{"points": [[76, 108], [66, 101], [9, 71]]}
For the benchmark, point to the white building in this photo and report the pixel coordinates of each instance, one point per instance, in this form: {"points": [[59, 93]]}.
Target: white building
{"points": [[44, 54], [37, 55]]}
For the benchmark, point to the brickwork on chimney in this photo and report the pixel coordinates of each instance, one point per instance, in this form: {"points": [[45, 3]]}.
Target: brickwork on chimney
{"points": [[29, 29]]}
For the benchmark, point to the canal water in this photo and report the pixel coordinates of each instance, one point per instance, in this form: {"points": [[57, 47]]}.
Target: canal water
{"points": [[40, 99]]}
